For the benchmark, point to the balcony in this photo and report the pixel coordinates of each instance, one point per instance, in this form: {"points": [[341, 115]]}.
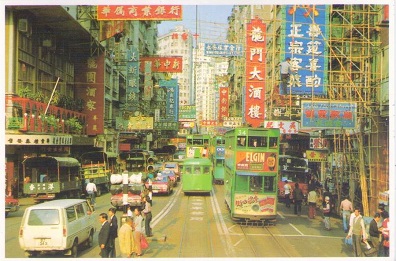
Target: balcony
{"points": [[27, 116]]}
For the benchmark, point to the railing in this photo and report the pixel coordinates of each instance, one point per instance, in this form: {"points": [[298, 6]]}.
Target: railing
{"points": [[27, 115]]}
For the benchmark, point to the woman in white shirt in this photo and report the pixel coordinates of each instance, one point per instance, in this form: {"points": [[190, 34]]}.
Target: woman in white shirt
{"points": [[139, 229]]}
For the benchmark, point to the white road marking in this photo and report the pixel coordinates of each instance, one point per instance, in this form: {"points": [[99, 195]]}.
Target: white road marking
{"points": [[281, 216], [296, 229], [237, 243], [166, 209]]}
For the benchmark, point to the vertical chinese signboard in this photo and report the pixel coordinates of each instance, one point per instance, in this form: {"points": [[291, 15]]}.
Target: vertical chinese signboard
{"points": [[172, 99], [90, 87], [255, 73], [223, 111], [306, 47], [132, 87]]}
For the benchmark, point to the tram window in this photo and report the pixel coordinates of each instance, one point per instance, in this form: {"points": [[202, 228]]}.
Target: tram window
{"points": [[256, 184], [273, 141], [255, 141], [269, 184], [188, 170], [241, 183], [197, 170], [189, 142], [197, 142], [241, 141], [206, 170], [219, 162]]}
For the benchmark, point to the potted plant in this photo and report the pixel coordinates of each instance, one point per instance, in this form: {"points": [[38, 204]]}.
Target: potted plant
{"points": [[74, 125]]}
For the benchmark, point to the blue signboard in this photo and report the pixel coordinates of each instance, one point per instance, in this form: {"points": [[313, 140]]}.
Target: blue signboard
{"points": [[223, 49], [326, 114], [305, 34], [172, 99]]}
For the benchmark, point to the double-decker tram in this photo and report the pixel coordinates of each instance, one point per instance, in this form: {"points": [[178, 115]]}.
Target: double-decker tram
{"points": [[198, 142], [217, 154], [251, 174], [197, 175]]}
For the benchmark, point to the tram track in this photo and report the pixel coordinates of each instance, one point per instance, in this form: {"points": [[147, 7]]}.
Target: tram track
{"points": [[197, 227]]}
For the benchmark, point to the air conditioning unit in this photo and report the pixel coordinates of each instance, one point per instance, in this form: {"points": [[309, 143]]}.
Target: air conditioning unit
{"points": [[23, 25]]}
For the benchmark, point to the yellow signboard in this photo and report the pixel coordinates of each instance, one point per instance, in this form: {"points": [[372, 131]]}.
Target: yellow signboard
{"points": [[316, 156]]}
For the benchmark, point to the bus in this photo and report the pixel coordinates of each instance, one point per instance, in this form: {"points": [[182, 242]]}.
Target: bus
{"points": [[197, 145], [47, 178], [98, 165], [294, 170], [197, 176], [217, 152], [251, 173]]}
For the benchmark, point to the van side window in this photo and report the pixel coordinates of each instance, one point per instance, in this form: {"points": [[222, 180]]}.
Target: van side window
{"points": [[71, 214], [40, 217], [80, 211]]}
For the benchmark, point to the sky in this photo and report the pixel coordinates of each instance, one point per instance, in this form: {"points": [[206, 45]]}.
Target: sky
{"points": [[211, 22]]}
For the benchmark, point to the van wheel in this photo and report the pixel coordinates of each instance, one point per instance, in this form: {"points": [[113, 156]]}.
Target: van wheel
{"points": [[89, 242], [98, 191], [74, 250]]}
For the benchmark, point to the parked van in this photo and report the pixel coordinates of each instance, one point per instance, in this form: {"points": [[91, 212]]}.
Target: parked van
{"points": [[57, 226]]}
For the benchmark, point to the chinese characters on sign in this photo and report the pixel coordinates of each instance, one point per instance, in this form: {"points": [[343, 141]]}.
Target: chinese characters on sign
{"points": [[208, 123], [285, 127], [139, 12], [223, 108], [305, 45], [172, 99], [255, 73], [222, 49], [90, 88], [321, 114], [164, 64], [187, 112], [132, 82]]}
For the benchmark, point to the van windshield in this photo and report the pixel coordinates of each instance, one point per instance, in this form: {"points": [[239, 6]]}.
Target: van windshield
{"points": [[41, 217]]}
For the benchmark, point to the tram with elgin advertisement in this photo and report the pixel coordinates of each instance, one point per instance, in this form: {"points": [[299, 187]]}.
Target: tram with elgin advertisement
{"points": [[251, 174]]}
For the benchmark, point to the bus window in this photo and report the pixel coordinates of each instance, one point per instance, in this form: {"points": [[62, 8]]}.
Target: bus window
{"points": [[269, 184], [256, 184], [273, 141], [219, 162], [241, 140], [257, 141], [197, 170], [206, 170]]}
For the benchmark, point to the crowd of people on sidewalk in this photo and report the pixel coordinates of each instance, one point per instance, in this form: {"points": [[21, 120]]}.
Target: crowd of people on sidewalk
{"points": [[366, 239], [131, 235]]}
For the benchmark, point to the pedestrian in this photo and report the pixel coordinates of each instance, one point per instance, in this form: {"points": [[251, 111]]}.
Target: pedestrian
{"points": [[298, 198], [104, 235], [346, 210], [312, 203], [113, 231], [129, 211], [147, 216], [91, 190], [385, 234], [356, 231], [375, 232], [125, 238], [285, 71], [326, 213], [287, 188], [138, 232]]}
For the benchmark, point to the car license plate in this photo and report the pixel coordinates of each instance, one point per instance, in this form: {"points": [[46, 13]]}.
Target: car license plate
{"points": [[42, 241]]}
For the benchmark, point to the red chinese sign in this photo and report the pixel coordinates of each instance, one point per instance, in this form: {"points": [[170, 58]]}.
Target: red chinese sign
{"points": [[208, 123], [90, 87], [163, 64], [140, 12], [223, 110], [285, 127], [255, 72]]}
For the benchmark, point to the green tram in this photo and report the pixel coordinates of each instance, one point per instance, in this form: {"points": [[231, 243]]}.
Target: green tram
{"points": [[217, 153], [197, 142], [197, 176], [251, 173]]}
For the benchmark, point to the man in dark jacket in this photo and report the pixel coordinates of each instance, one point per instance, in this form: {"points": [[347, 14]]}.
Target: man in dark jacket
{"points": [[113, 231], [374, 231], [104, 235], [298, 198]]}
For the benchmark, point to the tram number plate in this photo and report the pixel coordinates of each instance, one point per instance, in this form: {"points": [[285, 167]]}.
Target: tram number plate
{"points": [[256, 166]]}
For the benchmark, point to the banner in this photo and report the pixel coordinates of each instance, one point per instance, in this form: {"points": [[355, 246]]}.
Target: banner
{"points": [[305, 44], [140, 12], [222, 49], [316, 156], [285, 127], [224, 103], [170, 64], [255, 73], [172, 99]]}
